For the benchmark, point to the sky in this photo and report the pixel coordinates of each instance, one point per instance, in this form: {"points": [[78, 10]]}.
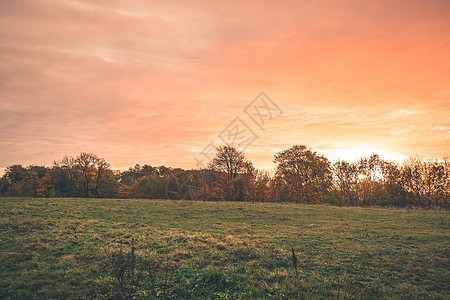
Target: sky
{"points": [[160, 82]]}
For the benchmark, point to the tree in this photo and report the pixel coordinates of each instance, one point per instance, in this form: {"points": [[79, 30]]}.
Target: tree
{"points": [[131, 176], [102, 175], [15, 176], [25, 182], [306, 174], [231, 175], [163, 171], [371, 181], [230, 161], [259, 186], [393, 184], [85, 164], [345, 179], [4, 185], [426, 182], [64, 177], [15, 173], [93, 170]]}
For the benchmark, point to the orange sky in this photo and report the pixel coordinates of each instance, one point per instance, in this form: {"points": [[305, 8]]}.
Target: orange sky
{"points": [[156, 81]]}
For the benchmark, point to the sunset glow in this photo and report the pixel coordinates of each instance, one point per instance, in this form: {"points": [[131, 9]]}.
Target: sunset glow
{"points": [[154, 82]]}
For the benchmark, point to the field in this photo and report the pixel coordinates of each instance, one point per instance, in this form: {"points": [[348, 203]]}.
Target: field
{"points": [[99, 248]]}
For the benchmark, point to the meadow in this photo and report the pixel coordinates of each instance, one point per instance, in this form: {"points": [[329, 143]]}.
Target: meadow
{"points": [[145, 249]]}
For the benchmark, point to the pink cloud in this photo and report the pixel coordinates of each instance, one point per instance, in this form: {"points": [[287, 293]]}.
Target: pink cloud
{"points": [[147, 82]]}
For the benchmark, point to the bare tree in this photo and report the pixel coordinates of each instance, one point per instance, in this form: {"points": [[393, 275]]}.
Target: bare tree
{"points": [[230, 161]]}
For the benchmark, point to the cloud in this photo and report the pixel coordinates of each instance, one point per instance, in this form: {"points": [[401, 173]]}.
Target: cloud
{"points": [[441, 128], [147, 82]]}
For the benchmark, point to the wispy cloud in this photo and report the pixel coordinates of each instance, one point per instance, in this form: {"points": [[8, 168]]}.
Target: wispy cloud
{"points": [[148, 81]]}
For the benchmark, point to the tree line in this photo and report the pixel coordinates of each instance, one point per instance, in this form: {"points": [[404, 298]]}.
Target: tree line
{"points": [[301, 175]]}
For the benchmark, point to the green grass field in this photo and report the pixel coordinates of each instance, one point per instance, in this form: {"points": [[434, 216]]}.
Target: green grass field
{"points": [[70, 248]]}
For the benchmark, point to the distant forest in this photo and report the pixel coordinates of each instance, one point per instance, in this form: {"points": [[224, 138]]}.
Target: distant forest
{"points": [[300, 175]]}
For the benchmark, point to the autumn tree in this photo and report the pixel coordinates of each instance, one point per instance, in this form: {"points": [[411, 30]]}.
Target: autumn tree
{"points": [[15, 173], [233, 172], [259, 186], [88, 171], [370, 181], [16, 176], [300, 175], [25, 182], [426, 182], [229, 160], [306, 173], [393, 184], [4, 185], [131, 176], [65, 177], [85, 164], [345, 175]]}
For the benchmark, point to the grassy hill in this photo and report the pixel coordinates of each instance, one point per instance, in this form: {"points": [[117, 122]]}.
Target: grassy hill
{"points": [[99, 248]]}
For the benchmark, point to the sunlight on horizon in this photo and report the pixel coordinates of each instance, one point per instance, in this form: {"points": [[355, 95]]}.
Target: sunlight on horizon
{"points": [[354, 154]]}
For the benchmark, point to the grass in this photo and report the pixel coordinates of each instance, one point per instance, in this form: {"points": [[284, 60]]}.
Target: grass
{"points": [[74, 248]]}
